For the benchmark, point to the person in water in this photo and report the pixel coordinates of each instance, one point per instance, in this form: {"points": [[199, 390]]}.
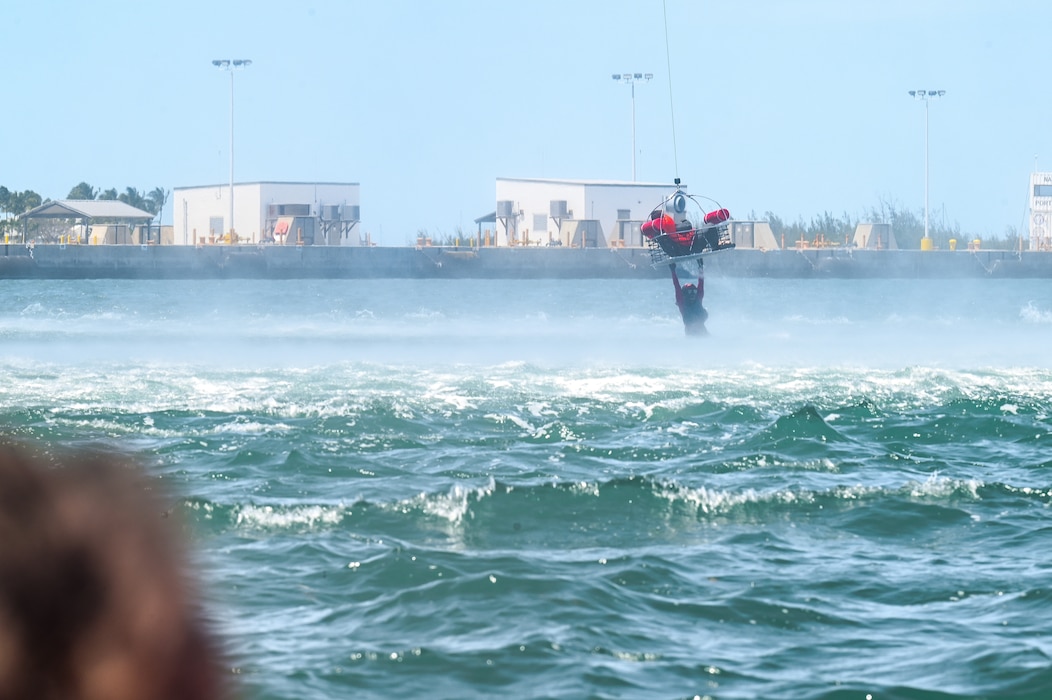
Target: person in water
{"points": [[688, 299]]}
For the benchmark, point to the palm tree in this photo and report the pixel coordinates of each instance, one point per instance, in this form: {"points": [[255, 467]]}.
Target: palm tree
{"points": [[109, 194], [17, 203], [155, 201], [82, 191], [133, 197], [21, 202]]}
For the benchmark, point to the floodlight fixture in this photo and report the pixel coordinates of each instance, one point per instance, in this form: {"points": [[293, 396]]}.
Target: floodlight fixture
{"points": [[927, 96], [631, 79], [229, 65]]}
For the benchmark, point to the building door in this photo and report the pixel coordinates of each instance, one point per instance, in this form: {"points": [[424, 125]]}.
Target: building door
{"points": [[215, 226]]}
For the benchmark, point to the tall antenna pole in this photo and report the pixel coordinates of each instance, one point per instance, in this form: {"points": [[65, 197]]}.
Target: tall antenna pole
{"points": [[633, 132], [231, 156], [927, 96], [231, 65], [631, 79]]}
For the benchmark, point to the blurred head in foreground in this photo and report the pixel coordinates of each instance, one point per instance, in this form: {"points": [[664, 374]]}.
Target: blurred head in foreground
{"points": [[94, 598]]}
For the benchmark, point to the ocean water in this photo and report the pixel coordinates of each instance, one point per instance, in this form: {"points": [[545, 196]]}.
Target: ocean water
{"points": [[477, 489]]}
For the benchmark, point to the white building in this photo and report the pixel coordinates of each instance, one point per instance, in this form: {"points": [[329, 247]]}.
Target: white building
{"points": [[574, 212], [289, 213], [1040, 198]]}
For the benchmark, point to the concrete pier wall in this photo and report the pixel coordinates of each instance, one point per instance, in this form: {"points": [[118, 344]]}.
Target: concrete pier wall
{"points": [[304, 262]]}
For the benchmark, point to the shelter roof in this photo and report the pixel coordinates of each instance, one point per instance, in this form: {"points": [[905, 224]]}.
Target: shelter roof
{"points": [[87, 209]]}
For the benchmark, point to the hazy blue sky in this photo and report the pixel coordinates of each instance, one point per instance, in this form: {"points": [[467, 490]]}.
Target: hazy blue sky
{"points": [[795, 107]]}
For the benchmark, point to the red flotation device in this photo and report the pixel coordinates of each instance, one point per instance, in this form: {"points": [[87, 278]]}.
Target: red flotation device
{"points": [[717, 217], [683, 238], [662, 224]]}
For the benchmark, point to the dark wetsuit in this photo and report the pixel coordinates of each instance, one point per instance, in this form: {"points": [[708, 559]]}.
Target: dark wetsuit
{"points": [[690, 307]]}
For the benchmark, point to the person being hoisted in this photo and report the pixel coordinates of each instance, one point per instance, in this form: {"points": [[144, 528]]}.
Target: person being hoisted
{"points": [[688, 299], [681, 230]]}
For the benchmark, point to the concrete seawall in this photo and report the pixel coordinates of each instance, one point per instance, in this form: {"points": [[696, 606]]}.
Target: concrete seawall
{"points": [[305, 262]]}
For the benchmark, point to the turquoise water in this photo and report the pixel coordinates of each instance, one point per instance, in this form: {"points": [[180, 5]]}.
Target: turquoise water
{"points": [[543, 489]]}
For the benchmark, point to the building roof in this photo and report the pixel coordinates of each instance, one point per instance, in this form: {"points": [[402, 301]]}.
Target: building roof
{"points": [[589, 183], [87, 209], [268, 182]]}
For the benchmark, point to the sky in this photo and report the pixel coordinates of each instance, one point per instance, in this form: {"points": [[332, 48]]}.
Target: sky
{"points": [[795, 107]]}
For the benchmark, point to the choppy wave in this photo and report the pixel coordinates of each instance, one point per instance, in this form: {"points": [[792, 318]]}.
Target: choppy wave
{"points": [[447, 490], [635, 505], [661, 587]]}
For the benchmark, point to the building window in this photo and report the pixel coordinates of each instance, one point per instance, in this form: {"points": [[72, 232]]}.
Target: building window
{"points": [[1043, 190], [215, 226], [540, 223]]}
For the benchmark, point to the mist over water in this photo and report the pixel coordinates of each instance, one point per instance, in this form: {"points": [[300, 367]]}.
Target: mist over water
{"points": [[545, 489], [866, 323]]}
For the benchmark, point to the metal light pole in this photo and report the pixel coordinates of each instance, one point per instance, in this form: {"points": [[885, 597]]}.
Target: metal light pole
{"points": [[230, 65], [631, 79], [927, 96]]}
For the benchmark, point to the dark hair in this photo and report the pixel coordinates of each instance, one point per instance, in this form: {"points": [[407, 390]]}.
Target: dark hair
{"points": [[94, 598]]}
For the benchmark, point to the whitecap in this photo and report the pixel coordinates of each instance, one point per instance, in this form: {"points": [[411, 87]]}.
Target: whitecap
{"points": [[286, 517]]}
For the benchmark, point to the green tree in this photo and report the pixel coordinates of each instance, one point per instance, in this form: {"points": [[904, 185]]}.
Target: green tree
{"points": [[15, 203], [133, 197], [108, 195], [21, 202], [82, 191], [907, 226], [156, 200]]}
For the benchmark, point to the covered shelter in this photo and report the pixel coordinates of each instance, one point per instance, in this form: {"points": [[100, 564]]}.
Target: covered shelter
{"points": [[490, 218], [87, 212]]}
